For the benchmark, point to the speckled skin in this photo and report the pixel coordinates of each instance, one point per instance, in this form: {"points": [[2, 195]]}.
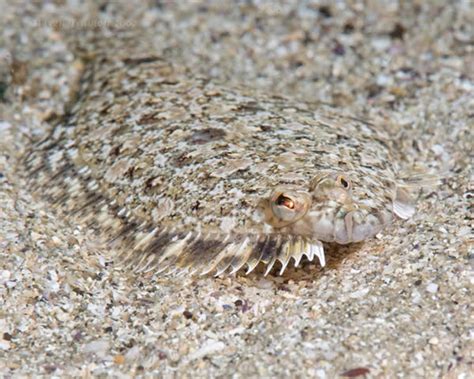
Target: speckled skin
{"points": [[181, 170]]}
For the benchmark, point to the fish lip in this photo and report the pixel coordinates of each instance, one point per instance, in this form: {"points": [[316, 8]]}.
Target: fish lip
{"points": [[349, 224], [346, 212], [346, 227]]}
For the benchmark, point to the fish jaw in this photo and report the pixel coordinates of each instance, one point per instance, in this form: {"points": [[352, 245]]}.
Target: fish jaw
{"points": [[342, 225]]}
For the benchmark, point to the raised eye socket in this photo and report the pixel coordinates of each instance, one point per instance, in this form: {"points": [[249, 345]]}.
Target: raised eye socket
{"points": [[287, 206], [285, 201], [344, 182]]}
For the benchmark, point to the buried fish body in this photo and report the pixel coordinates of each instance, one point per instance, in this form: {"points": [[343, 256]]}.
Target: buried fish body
{"points": [[185, 174]]}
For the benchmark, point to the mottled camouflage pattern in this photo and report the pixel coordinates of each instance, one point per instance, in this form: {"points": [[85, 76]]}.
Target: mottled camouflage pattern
{"points": [[179, 171]]}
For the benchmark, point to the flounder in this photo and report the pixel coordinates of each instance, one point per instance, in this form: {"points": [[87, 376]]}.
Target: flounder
{"points": [[182, 173]]}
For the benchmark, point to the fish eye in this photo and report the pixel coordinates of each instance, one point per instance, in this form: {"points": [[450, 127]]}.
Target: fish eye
{"points": [[287, 205], [344, 182], [285, 201]]}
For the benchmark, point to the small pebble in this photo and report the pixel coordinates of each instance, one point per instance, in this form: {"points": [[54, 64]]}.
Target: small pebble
{"points": [[432, 288], [208, 348], [188, 315], [119, 359], [433, 341]]}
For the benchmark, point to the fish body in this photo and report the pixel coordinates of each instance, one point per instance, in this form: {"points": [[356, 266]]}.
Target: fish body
{"points": [[184, 173]]}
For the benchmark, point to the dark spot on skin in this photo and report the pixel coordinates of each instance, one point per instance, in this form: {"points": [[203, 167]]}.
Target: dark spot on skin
{"points": [[49, 369], [152, 185], [115, 151], [356, 372], [259, 23], [161, 241], [105, 109], [202, 245], [342, 137], [3, 90], [225, 120], [207, 135], [181, 160], [148, 119], [269, 249], [77, 336], [216, 37], [348, 28], [103, 7], [187, 315], [339, 49], [242, 305], [196, 206], [325, 11], [258, 246], [398, 31], [130, 173], [409, 70], [19, 72], [205, 249], [141, 60], [168, 82], [265, 128], [296, 64], [251, 107], [373, 90], [244, 204]]}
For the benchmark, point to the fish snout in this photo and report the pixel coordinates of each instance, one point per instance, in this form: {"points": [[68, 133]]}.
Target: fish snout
{"points": [[348, 223], [358, 224]]}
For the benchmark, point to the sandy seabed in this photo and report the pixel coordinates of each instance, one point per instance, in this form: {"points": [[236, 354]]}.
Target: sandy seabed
{"points": [[399, 305]]}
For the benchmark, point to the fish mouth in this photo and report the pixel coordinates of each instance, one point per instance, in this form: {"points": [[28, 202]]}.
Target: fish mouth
{"points": [[347, 224]]}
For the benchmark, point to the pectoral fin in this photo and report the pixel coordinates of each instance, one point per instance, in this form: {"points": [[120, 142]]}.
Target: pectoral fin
{"points": [[403, 204]]}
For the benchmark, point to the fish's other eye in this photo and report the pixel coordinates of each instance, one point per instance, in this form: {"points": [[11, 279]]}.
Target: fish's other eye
{"points": [[344, 182], [285, 201]]}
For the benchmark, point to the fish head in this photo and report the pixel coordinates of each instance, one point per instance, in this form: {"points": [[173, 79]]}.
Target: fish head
{"points": [[334, 207]]}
